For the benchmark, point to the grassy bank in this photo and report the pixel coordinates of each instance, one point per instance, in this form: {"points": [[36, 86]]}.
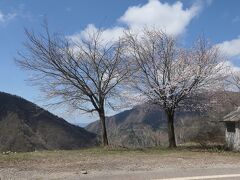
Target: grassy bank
{"points": [[68, 155]]}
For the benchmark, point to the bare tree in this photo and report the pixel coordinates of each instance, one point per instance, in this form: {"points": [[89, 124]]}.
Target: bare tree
{"points": [[232, 84], [234, 81], [168, 75], [85, 74]]}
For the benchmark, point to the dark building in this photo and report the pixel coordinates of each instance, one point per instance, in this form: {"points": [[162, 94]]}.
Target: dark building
{"points": [[232, 122]]}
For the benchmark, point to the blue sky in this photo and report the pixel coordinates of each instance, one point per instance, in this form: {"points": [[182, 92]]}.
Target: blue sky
{"points": [[219, 20]]}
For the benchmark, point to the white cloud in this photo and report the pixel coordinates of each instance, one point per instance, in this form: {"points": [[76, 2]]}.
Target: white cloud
{"points": [[107, 34], [227, 68], [1, 17], [172, 18], [230, 48], [6, 17]]}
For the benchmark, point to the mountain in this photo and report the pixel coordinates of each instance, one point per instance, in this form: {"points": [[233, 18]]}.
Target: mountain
{"points": [[81, 124], [146, 125], [26, 127]]}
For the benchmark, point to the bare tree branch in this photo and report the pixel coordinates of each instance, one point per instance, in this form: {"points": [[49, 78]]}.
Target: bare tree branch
{"points": [[85, 74], [169, 75]]}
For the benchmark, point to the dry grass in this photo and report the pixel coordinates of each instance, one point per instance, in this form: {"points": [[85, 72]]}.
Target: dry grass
{"points": [[190, 150]]}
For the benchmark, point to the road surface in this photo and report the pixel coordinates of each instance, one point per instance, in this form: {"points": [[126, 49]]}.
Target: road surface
{"points": [[174, 174], [121, 165]]}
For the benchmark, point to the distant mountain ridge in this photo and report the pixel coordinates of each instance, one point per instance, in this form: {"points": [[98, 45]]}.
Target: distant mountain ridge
{"points": [[81, 124], [146, 125], [26, 127]]}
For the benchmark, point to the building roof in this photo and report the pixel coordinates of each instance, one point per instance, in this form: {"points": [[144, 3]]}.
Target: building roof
{"points": [[234, 116]]}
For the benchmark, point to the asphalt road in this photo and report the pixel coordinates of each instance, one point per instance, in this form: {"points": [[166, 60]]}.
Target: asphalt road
{"points": [[129, 165], [174, 174]]}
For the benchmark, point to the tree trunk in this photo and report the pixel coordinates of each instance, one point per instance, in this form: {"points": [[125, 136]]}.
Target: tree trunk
{"points": [[171, 133], [104, 130]]}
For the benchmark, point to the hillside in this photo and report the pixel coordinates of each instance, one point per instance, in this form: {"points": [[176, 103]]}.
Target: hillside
{"points": [[145, 125], [26, 127]]}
